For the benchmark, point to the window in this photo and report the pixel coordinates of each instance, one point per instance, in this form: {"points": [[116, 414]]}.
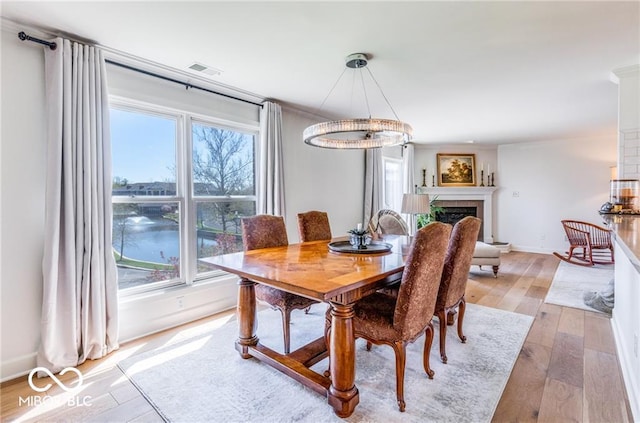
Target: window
{"points": [[223, 187], [392, 183], [181, 184]]}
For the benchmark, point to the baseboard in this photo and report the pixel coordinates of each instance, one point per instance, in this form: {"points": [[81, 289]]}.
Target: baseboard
{"points": [[626, 367], [17, 367], [504, 247], [529, 249]]}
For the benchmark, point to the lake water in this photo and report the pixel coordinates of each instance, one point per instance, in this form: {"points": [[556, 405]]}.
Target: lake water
{"points": [[148, 239]]}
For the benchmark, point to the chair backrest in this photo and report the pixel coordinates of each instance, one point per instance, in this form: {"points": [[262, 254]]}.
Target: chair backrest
{"points": [[420, 280], [263, 231], [314, 226], [455, 274], [388, 222], [583, 233]]}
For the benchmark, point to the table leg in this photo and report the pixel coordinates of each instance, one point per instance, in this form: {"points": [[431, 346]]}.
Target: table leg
{"points": [[343, 395], [246, 317]]}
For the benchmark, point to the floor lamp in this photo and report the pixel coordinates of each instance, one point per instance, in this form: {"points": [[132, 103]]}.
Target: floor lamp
{"points": [[413, 204]]}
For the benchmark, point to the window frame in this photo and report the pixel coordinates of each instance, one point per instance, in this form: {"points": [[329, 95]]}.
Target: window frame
{"points": [[185, 198], [399, 163]]}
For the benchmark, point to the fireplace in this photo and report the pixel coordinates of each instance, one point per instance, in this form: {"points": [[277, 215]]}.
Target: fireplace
{"points": [[456, 210], [478, 198]]}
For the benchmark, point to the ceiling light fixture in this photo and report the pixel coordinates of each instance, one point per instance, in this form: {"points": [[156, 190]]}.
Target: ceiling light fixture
{"points": [[359, 132]]}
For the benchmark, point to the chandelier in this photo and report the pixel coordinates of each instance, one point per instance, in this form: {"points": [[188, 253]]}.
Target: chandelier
{"points": [[359, 132]]}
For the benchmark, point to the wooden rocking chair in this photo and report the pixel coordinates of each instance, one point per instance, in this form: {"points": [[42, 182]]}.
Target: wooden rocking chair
{"points": [[594, 241]]}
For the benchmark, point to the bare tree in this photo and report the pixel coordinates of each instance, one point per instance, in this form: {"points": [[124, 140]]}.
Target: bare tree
{"points": [[224, 167]]}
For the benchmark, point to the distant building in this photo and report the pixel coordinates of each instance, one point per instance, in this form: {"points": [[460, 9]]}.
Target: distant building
{"points": [[145, 188]]}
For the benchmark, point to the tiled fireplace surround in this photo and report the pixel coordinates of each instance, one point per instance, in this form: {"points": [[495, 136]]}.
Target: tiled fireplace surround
{"points": [[480, 197]]}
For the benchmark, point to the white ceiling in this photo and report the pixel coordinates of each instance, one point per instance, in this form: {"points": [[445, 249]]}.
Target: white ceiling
{"points": [[491, 72]]}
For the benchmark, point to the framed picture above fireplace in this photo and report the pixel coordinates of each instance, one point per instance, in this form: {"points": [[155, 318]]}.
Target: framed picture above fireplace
{"points": [[456, 170]]}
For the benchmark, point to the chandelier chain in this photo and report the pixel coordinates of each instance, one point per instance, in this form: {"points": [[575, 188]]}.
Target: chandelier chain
{"points": [[364, 90], [382, 92], [335, 84]]}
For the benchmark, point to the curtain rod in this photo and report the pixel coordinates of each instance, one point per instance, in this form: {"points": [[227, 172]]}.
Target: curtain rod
{"points": [[186, 84], [53, 46]]}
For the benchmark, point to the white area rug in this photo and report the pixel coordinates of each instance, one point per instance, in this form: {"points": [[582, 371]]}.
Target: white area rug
{"points": [[571, 282], [200, 377]]}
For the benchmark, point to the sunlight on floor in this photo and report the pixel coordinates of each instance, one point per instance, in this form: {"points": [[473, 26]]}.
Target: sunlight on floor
{"points": [[169, 345], [169, 354]]}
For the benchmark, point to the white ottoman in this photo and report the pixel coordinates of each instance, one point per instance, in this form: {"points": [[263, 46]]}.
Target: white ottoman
{"points": [[485, 254]]}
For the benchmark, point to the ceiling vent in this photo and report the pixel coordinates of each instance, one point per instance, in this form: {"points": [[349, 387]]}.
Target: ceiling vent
{"points": [[207, 70]]}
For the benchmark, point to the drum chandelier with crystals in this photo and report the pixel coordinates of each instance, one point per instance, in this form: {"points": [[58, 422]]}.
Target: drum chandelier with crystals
{"points": [[359, 132]]}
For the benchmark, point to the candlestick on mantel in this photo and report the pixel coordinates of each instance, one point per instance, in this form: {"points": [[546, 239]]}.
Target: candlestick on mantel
{"points": [[492, 179], [482, 177], [424, 177]]}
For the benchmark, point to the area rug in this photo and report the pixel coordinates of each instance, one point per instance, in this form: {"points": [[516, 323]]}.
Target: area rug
{"points": [[572, 284], [199, 377]]}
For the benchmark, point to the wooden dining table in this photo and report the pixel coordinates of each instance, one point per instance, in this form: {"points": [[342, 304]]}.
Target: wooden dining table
{"points": [[312, 270]]}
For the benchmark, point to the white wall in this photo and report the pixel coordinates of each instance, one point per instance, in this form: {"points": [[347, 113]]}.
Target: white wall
{"points": [[22, 170], [320, 179], [544, 182], [554, 180]]}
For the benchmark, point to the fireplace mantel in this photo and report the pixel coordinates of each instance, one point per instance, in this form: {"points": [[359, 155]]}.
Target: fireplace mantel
{"points": [[484, 194]]}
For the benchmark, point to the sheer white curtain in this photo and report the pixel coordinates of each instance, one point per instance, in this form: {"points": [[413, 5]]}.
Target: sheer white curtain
{"points": [[408, 177], [271, 170], [80, 306], [373, 183]]}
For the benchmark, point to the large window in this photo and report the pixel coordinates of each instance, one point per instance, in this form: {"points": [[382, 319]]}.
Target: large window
{"points": [[392, 183], [181, 184]]}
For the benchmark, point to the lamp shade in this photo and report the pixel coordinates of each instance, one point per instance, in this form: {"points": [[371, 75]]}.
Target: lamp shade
{"points": [[415, 203]]}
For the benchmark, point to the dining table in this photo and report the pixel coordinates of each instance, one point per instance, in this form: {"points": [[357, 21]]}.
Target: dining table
{"points": [[316, 270]]}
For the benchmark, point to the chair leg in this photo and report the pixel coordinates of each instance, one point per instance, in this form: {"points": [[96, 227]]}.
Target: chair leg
{"points": [[369, 344], [495, 271], [590, 255], [442, 319], [286, 317], [451, 317], [612, 258], [401, 352], [570, 252], [428, 340], [461, 309]]}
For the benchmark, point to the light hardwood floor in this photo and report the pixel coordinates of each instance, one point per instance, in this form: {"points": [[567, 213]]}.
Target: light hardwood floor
{"points": [[567, 369]]}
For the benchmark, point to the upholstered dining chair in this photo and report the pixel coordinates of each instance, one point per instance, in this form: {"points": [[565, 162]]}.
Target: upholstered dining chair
{"points": [[264, 231], [454, 278], [314, 226], [397, 321]]}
